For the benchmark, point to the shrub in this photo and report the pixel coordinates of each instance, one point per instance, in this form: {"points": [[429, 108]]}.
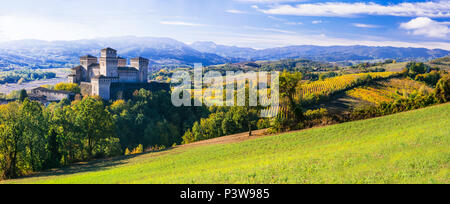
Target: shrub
{"points": [[431, 78], [442, 91], [138, 150], [263, 123], [71, 87]]}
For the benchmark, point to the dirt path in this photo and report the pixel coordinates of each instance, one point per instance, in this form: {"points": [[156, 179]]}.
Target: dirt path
{"points": [[229, 139]]}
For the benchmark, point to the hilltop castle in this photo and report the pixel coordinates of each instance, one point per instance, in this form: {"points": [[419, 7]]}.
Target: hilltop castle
{"points": [[111, 76]]}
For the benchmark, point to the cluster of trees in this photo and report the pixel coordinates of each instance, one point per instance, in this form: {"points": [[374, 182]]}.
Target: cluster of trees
{"points": [[431, 79], [150, 119], [18, 76], [415, 68], [414, 101], [71, 87], [421, 72], [34, 137], [162, 75], [366, 65], [13, 95], [297, 65], [293, 114], [223, 121]]}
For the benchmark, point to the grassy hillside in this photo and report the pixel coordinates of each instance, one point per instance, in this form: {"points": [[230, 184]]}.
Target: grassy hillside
{"points": [[410, 147]]}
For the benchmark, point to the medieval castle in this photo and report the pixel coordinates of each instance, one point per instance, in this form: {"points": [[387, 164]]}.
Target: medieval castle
{"points": [[97, 78]]}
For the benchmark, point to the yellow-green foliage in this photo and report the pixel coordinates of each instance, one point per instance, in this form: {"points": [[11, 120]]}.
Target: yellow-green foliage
{"points": [[410, 147], [68, 87], [390, 90], [127, 152], [339, 83], [316, 113], [138, 150]]}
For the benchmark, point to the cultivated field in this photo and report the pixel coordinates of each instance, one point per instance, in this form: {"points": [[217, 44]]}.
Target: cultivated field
{"points": [[389, 90], [409, 147], [61, 76]]}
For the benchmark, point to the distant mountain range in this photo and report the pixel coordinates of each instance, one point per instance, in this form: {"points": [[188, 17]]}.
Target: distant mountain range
{"points": [[166, 51], [322, 53]]}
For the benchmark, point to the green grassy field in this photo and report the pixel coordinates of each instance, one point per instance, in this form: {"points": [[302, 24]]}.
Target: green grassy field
{"points": [[411, 147], [396, 67]]}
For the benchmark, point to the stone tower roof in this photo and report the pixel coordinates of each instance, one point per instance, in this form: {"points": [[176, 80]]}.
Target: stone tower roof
{"points": [[139, 59], [108, 48], [88, 56], [77, 67]]}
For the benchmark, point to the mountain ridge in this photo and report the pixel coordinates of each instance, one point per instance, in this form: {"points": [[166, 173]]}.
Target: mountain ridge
{"points": [[168, 51]]}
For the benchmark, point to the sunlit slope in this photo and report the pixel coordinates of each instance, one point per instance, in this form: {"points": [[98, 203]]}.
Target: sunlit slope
{"points": [[410, 147]]}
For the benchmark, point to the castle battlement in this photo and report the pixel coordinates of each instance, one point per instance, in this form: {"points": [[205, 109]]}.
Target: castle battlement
{"points": [[99, 74]]}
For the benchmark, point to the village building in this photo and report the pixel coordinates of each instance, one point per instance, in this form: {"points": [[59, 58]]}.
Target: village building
{"points": [[47, 95]]}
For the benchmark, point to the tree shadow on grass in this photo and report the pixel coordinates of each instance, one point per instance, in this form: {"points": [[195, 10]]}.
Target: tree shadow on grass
{"points": [[82, 167], [91, 166]]}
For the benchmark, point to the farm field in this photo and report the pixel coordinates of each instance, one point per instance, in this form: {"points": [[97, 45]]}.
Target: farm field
{"points": [[61, 76], [394, 67], [410, 147]]}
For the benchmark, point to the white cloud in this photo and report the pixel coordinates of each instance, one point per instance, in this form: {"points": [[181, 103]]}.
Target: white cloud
{"points": [[270, 30], [235, 11], [428, 9], [427, 27], [361, 25], [317, 22], [180, 23], [268, 1], [275, 18], [294, 23]]}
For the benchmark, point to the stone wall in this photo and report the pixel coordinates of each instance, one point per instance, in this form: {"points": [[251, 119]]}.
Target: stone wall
{"points": [[51, 95], [86, 88], [127, 76]]}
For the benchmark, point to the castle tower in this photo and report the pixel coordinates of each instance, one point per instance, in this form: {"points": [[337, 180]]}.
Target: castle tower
{"points": [[101, 86], [122, 62], [87, 60], [108, 63], [141, 64]]}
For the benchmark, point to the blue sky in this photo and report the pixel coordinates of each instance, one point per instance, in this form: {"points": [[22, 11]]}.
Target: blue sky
{"points": [[249, 23]]}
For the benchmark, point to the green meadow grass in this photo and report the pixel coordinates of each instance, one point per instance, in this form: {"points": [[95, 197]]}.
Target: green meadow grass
{"points": [[411, 147]]}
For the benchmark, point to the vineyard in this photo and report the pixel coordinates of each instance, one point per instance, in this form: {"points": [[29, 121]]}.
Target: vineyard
{"points": [[307, 92], [330, 85], [314, 92], [388, 91]]}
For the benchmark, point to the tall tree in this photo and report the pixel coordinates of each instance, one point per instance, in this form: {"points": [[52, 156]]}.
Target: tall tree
{"points": [[94, 121]]}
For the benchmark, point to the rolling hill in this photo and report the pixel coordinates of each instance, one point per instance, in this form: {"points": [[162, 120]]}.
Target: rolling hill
{"points": [[410, 147]]}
